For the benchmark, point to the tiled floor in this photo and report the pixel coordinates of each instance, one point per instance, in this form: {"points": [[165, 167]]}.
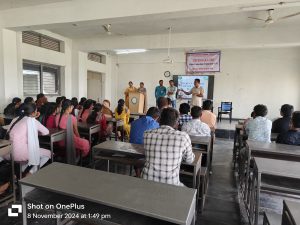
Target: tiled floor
{"points": [[221, 207]]}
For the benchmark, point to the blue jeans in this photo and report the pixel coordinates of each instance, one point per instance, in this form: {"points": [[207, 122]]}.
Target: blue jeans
{"points": [[174, 104]]}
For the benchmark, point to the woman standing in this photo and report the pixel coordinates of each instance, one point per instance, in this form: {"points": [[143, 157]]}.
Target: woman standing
{"points": [[128, 90], [143, 91], [123, 113]]}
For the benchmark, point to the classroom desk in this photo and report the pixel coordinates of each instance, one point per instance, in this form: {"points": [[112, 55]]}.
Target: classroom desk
{"points": [[291, 213], [206, 143], [117, 124], [7, 119], [237, 143], [272, 167], [136, 152], [274, 136], [54, 135], [86, 129], [142, 199]]}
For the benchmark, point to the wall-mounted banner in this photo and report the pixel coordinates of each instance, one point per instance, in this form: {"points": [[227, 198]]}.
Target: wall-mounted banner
{"points": [[199, 62]]}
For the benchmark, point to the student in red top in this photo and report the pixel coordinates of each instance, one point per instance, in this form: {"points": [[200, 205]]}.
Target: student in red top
{"points": [[97, 116], [50, 114], [86, 110]]}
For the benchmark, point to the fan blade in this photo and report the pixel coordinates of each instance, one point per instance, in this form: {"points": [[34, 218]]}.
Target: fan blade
{"points": [[254, 18], [289, 16]]}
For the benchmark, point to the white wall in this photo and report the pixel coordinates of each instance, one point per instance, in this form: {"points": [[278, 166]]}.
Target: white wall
{"points": [[248, 77]]}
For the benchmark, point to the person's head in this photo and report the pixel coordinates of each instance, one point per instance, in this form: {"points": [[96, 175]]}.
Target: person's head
{"points": [[207, 105], [50, 109], [95, 112], [82, 101], [28, 100], [169, 102], [130, 84], [286, 110], [252, 114], [169, 117], [74, 101], [66, 107], [184, 108], [88, 104], [16, 102], [40, 95], [196, 112], [59, 101], [161, 83], [296, 120], [63, 98], [142, 84], [260, 110], [153, 112], [162, 103], [197, 83], [171, 82], [120, 106], [106, 103]]}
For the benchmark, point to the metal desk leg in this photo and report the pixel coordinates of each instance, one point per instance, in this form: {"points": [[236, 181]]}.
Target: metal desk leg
{"points": [[51, 148], [257, 199]]}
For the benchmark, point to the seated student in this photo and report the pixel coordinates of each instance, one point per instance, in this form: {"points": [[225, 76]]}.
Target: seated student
{"points": [[208, 116], [62, 119], [184, 110], [292, 136], [23, 133], [50, 115], [123, 113], [75, 111], [41, 99], [26, 101], [282, 125], [162, 103], [195, 126], [106, 109], [59, 101], [165, 148], [12, 108], [148, 122], [98, 117], [86, 110], [81, 102], [259, 129]]}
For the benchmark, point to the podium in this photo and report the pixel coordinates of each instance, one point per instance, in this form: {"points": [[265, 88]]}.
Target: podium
{"points": [[136, 102]]}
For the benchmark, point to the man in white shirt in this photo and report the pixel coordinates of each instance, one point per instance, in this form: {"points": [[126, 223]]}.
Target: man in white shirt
{"points": [[259, 128], [171, 92], [195, 126], [197, 93]]}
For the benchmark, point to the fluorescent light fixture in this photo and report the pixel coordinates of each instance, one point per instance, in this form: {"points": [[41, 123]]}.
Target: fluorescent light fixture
{"points": [[129, 51], [271, 6]]}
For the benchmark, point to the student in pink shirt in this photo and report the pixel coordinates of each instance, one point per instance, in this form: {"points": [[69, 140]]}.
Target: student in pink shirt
{"points": [[208, 116], [86, 110], [50, 114]]}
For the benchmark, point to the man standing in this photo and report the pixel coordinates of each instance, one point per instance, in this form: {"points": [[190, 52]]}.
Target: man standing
{"points": [[171, 92], [165, 148], [197, 93], [160, 91]]}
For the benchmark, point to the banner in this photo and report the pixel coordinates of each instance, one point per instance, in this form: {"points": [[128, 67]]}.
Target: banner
{"points": [[200, 62]]}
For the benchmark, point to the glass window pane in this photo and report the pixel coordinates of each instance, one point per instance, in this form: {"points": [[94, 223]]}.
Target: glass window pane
{"points": [[50, 80], [31, 79]]}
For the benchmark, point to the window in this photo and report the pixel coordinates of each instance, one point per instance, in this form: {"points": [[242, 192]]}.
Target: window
{"points": [[40, 40], [40, 78], [96, 57]]}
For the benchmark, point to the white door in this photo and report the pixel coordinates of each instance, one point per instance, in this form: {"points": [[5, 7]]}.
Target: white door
{"points": [[94, 85]]}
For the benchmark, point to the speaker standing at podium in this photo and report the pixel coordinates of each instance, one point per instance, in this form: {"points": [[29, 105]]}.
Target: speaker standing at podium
{"points": [[143, 91], [128, 90]]}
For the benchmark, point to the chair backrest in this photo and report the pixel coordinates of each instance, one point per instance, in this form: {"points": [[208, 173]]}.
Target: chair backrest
{"points": [[226, 106]]}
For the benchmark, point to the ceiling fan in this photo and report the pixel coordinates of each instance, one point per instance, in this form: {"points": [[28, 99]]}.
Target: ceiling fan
{"points": [[270, 19], [168, 59], [107, 28]]}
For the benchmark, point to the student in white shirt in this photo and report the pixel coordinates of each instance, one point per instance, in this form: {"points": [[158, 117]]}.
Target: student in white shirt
{"points": [[171, 92], [195, 126]]}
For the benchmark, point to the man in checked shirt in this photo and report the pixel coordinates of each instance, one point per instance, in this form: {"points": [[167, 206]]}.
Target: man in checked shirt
{"points": [[165, 148]]}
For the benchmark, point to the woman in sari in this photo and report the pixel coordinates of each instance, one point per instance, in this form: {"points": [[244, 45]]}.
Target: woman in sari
{"points": [[143, 91], [128, 90]]}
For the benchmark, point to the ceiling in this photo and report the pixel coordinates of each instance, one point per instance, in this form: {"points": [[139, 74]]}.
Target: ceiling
{"points": [[192, 22], [9, 4]]}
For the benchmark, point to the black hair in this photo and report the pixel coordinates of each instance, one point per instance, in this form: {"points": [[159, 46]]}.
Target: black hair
{"points": [[197, 80], [252, 114], [16, 100], [207, 105], [10, 109], [141, 82], [94, 102], [296, 119], [87, 104], [184, 108], [28, 100], [160, 81], [153, 112], [287, 110], [162, 102], [82, 101], [40, 95], [196, 112], [63, 98], [171, 80], [27, 110], [50, 108], [260, 110], [130, 82], [169, 101], [74, 101], [169, 117], [120, 106], [65, 105], [92, 117], [58, 100]]}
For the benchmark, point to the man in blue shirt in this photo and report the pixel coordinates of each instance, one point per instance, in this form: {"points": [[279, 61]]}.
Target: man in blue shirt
{"points": [[161, 90], [148, 122]]}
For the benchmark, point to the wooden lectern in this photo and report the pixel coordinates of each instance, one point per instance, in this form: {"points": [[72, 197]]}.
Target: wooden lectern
{"points": [[136, 102]]}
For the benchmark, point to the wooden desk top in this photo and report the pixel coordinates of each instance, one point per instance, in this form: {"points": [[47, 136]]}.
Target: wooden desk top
{"points": [[4, 143], [277, 167], [53, 131], [294, 210], [274, 148], [157, 200], [202, 140], [83, 125]]}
